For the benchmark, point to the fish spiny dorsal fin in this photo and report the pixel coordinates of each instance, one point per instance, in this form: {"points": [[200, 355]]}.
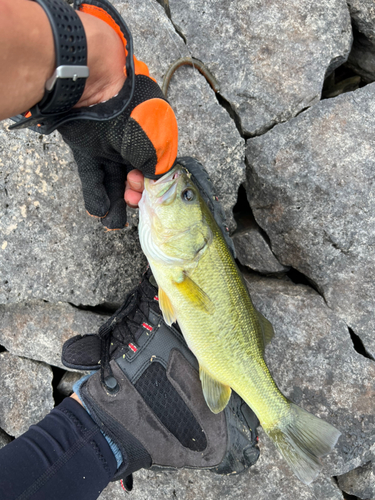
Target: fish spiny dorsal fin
{"points": [[166, 308], [194, 294], [267, 329], [215, 393]]}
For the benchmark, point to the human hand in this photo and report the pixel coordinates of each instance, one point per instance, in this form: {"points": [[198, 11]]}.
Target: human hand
{"points": [[134, 188], [133, 130], [139, 141]]}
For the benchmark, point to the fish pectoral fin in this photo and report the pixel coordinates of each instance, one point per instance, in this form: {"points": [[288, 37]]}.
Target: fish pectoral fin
{"points": [[215, 393], [194, 294], [166, 307], [267, 329]]}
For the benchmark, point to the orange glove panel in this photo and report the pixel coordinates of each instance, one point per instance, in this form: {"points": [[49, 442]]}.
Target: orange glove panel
{"points": [[159, 123]]}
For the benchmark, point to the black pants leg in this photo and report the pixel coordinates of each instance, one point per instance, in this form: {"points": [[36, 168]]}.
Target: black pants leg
{"points": [[63, 457]]}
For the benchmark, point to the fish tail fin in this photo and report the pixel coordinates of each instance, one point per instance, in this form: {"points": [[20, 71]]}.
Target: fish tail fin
{"points": [[302, 438]]}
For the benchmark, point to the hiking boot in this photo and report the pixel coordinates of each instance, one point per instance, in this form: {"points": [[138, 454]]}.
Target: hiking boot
{"points": [[146, 394]]}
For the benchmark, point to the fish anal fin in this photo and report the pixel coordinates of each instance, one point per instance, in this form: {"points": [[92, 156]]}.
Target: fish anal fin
{"points": [[215, 393], [267, 329], [194, 294], [166, 307]]}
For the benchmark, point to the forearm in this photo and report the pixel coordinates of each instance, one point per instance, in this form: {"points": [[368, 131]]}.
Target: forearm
{"points": [[27, 57]]}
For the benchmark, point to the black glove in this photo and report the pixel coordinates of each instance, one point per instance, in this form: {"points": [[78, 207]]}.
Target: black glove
{"points": [[106, 151], [137, 129], [147, 397]]}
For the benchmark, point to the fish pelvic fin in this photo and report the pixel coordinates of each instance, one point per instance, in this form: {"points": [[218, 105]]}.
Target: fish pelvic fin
{"points": [[302, 438], [267, 329], [215, 393], [194, 294], [166, 307]]}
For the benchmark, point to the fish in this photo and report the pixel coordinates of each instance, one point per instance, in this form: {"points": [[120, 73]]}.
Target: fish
{"points": [[202, 289]]}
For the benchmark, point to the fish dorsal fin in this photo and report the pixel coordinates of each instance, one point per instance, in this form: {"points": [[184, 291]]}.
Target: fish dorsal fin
{"points": [[166, 307], [215, 393], [267, 329], [194, 294]]}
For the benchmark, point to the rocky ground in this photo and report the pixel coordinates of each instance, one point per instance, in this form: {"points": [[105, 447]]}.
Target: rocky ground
{"points": [[289, 142]]}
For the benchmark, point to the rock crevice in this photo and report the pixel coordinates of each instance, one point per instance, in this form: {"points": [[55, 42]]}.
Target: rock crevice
{"points": [[291, 132]]}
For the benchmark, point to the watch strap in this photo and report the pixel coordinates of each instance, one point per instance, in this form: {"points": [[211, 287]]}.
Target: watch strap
{"points": [[45, 123], [70, 50]]}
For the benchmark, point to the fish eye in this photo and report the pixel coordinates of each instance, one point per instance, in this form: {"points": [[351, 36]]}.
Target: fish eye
{"points": [[188, 194]]}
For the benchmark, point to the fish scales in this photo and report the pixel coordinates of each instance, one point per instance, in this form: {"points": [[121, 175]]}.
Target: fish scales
{"points": [[234, 325], [201, 287]]}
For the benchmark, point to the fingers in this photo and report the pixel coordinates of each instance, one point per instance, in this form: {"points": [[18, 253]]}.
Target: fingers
{"points": [[97, 202], [136, 180], [116, 217], [134, 188], [103, 187], [114, 184]]}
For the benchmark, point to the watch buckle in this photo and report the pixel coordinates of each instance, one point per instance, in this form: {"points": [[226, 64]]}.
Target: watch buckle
{"points": [[72, 72]]}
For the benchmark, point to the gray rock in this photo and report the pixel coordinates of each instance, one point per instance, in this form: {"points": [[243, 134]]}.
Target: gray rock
{"points": [[260, 482], [362, 56], [270, 58], [26, 393], [49, 247], [209, 134], [155, 39], [67, 381], [4, 438], [313, 362], [38, 330], [254, 252], [310, 183], [206, 130], [359, 482]]}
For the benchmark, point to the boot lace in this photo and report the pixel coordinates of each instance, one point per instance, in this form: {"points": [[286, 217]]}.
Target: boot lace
{"points": [[124, 317]]}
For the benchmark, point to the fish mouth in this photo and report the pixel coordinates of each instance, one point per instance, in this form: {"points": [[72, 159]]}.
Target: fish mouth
{"points": [[164, 190]]}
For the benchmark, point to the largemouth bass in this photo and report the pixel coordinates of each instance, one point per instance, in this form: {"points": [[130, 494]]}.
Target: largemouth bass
{"points": [[201, 287]]}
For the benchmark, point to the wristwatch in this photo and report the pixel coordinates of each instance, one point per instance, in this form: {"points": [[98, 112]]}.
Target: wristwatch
{"points": [[65, 87]]}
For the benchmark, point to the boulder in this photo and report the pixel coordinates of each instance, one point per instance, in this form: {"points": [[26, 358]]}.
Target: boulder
{"points": [[260, 482], [65, 386], [310, 184], [270, 58], [362, 55], [4, 438], [38, 330], [26, 393], [253, 251], [206, 131], [222, 150], [50, 249], [313, 362], [359, 482]]}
